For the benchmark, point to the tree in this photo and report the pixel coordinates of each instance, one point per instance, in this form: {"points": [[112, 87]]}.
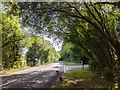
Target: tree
{"points": [[41, 52], [12, 36], [90, 26], [14, 39], [70, 52]]}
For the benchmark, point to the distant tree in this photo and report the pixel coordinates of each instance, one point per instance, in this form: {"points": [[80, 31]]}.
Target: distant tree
{"points": [[41, 52], [71, 52]]}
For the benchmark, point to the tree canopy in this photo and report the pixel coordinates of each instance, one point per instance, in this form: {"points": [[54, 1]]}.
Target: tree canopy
{"points": [[16, 40], [92, 26]]}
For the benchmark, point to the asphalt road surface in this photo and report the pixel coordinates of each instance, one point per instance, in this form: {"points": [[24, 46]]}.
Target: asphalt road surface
{"points": [[38, 77], [67, 67]]}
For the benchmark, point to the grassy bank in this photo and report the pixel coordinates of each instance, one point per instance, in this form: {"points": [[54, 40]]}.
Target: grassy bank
{"points": [[71, 63], [6, 71], [82, 78]]}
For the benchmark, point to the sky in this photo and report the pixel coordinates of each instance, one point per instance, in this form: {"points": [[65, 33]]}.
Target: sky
{"points": [[56, 43]]}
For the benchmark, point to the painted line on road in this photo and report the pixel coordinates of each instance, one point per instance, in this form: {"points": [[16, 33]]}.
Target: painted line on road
{"points": [[33, 73], [36, 72], [8, 82], [65, 68]]}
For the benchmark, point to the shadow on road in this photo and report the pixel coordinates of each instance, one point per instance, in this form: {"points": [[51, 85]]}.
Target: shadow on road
{"points": [[35, 79]]}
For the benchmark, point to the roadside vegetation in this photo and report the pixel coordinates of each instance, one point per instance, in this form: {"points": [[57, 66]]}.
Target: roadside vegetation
{"points": [[22, 49], [7, 71], [82, 78], [71, 63], [87, 29]]}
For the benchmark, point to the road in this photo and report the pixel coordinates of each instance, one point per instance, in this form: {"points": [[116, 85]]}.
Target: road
{"points": [[67, 67], [38, 77]]}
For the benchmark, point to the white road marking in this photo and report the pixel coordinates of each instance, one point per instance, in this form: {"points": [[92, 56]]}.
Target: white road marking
{"points": [[33, 73], [8, 82], [65, 68]]}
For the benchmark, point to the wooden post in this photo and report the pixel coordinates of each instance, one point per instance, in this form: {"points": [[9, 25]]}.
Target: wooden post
{"points": [[59, 75]]}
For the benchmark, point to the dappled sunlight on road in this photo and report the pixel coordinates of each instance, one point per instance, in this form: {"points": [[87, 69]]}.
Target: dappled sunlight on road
{"points": [[38, 77]]}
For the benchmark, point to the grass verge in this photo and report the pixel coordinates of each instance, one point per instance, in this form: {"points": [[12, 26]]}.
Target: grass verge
{"points": [[71, 63], [82, 78], [13, 70], [7, 71]]}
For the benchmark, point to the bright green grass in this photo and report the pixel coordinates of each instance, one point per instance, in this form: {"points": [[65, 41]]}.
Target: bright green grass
{"points": [[71, 63], [82, 78]]}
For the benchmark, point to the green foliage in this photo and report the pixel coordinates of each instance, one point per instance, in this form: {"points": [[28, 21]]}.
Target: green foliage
{"points": [[71, 63], [11, 37], [94, 27], [66, 52], [41, 52], [71, 52]]}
